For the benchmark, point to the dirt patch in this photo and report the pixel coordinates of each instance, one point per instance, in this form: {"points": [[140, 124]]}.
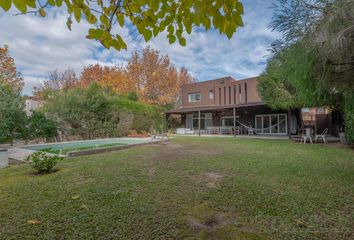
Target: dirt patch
{"points": [[212, 179], [151, 172], [84, 179], [208, 223], [215, 221], [203, 216], [338, 145], [169, 151], [35, 173]]}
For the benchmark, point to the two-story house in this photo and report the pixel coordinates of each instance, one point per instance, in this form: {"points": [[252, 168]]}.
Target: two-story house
{"points": [[227, 106]]}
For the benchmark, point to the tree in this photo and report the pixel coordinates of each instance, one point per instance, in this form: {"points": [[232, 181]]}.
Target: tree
{"points": [[144, 18], [8, 71], [93, 73], [315, 56], [114, 77], [150, 75], [324, 27], [156, 79], [40, 126], [57, 80], [289, 81], [13, 118], [97, 111]]}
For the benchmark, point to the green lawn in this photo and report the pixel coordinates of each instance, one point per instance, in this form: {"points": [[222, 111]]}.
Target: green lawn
{"points": [[189, 188]]}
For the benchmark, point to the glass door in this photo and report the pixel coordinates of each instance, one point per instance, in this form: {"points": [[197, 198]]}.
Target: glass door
{"points": [[271, 124], [189, 121], [266, 124], [259, 124]]}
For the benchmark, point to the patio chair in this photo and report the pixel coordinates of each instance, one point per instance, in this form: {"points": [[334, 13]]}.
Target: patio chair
{"points": [[307, 135], [237, 131], [322, 135]]}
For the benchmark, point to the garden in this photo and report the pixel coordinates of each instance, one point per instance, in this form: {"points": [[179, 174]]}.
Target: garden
{"points": [[187, 188]]}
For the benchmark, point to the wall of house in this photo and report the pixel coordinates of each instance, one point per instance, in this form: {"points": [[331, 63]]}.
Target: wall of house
{"points": [[227, 91], [31, 105]]}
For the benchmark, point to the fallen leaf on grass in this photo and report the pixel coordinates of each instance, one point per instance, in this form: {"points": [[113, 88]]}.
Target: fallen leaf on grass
{"points": [[75, 197], [300, 223], [33, 222]]}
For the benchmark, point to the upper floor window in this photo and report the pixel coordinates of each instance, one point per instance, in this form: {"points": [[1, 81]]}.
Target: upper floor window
{"points": [[211, 94], [194, 97]]}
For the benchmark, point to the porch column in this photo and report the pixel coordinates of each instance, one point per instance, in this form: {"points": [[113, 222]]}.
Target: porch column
{"points": [[234, 114], [199, 123], [165, 122], [289, 123]]}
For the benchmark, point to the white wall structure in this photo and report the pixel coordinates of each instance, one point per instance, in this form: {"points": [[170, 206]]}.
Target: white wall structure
{"points": [[4, 158], [32, 104]]}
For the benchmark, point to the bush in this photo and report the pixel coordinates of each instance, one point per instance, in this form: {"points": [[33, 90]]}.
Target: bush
{"points": [[349, 119], [43, 162], [96, 112]]}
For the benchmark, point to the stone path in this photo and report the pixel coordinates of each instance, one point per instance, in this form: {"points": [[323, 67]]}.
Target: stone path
{"points": [[19, 154]]}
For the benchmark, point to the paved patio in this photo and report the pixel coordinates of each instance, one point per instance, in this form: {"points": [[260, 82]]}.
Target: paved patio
{"points": [[18, 155]]}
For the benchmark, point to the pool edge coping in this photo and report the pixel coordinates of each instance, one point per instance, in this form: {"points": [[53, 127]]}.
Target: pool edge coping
{"points": [[109, 149]]}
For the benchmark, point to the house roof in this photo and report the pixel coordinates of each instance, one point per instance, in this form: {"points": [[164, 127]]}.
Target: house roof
{"points": [[219, 79], [211, 107]]}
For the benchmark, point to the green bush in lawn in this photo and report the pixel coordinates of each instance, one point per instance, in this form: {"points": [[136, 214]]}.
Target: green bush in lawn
{"points": [[43, 162]]}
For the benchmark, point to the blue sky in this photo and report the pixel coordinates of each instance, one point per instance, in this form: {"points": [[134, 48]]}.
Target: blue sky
{"points": [[40, 45]]}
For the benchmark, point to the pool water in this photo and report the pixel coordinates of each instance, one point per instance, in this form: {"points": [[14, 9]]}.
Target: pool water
{"points": [[65, 147]]}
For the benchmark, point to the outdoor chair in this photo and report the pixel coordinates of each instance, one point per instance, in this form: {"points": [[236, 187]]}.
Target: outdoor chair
{"points": [[307, 135], [322, 135], [237, 131]]}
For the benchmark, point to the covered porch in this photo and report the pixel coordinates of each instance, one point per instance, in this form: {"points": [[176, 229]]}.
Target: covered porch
{"points": [[232, 120]]}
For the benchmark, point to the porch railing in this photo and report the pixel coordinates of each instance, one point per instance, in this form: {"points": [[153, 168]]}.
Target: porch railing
{"points": [[220, 130]]}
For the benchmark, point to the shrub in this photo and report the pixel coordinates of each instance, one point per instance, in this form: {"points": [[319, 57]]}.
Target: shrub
{"points": [[43, 162], [349, 119]]}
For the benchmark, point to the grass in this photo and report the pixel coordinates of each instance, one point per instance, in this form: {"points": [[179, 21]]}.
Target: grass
{"points": [[189, 188]]}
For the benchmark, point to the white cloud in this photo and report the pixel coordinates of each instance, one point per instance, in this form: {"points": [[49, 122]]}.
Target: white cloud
{"points": [[40, 45]]}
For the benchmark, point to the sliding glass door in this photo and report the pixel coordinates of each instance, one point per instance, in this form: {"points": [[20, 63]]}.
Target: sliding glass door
{"points": [[271, 124]]}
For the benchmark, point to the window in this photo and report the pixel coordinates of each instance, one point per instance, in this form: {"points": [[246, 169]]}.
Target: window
{"points": [[206, 120], [224, 95], [194, 97], [245, 92], [211, 94], [219, 96], [239, 93], [228, 121]]}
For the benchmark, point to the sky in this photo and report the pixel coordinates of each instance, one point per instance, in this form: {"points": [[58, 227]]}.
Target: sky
{"points": [[40, 45]]}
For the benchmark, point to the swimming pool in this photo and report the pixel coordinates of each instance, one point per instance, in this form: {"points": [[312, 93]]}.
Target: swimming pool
{"points": [[75, 148]]}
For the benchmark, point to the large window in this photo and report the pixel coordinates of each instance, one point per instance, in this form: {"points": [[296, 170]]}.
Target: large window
{"points": [[229, 121], [206, 120], [271, 124], [194, 97]]}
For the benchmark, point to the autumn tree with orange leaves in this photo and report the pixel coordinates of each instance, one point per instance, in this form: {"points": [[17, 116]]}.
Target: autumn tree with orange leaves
{"points": [[156, 79], [114, 77], [8, 72], [150, 75]]}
